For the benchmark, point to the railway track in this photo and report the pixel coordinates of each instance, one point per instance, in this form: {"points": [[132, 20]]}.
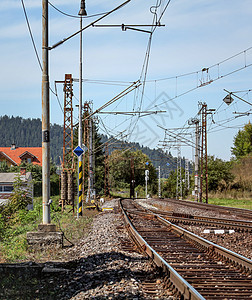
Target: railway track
{"points": [[187, 219], [194, 267], [238, 212]]}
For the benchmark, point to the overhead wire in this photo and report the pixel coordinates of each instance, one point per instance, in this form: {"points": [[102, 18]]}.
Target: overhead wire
{"points": [[56, 94], [200, 71], [36, 51], [145, 66], [31, 35], [75, 16]]}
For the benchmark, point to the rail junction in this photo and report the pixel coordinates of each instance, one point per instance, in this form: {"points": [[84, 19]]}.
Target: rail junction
{"points": [[194, 268]]}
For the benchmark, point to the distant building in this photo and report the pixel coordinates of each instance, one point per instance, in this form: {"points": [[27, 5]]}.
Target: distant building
{"points": [[6, 185], [14, 156]]}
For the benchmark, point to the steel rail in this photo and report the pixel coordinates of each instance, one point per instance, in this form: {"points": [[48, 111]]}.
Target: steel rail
{"points": [[227, 256], [181, 284], [215, 223], [233, 257], [240, 225], [226, 209], [219, 250]]}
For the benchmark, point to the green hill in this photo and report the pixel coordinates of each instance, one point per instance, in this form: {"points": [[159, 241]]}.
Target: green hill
{"points": [[27, 133]]}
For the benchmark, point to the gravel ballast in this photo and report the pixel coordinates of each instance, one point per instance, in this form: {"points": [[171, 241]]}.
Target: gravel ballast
{"points": [[104, 269]]}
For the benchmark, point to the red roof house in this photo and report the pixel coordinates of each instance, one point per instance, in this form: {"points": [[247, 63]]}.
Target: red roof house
{"points": [[13, 155]]}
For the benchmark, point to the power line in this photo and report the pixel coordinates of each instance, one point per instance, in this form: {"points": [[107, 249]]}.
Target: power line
{"points": [[144, 71], [244, 52], [56, 94], [73, 16], [199, 86], [31, 36]]}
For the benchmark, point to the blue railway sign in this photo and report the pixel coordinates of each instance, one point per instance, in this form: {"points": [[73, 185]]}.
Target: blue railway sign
{"points": [[78, 151]]}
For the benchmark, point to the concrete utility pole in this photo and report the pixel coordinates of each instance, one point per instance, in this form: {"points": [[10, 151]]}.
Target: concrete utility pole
{"points": [[82, 13], [46, 234], [45, 117]]}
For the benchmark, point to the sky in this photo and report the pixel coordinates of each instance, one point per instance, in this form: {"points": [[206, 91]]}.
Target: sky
{"points": [[212, 36]]}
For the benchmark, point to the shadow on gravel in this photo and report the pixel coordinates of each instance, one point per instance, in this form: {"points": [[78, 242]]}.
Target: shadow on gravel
{"points": [[65, 280]]}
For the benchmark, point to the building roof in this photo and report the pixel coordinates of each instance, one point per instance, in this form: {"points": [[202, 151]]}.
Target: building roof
{"points": [[16, 154], [10, 177]]}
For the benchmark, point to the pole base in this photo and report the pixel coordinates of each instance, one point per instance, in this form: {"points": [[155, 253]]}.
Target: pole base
{"points": [[45, 237]]}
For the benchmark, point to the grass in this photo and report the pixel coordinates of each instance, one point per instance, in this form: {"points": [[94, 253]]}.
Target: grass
{"points": [[13, 243], [239, 203]]}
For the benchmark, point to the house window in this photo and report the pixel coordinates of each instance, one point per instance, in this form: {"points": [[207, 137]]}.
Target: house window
{"points": [[8, 188], [29, 160]]}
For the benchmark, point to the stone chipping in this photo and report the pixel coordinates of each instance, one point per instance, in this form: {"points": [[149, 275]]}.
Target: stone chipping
{"points": [[104, 270]]}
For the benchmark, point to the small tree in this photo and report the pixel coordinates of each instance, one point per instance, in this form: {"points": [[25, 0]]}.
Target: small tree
{"points": [[243, 142], [169, 188], [120, 169], [219, 174], [20, 197], [4, 167]]}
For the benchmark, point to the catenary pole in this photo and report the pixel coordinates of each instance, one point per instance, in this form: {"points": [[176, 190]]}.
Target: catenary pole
{"points": [[45, 117], [82, 13], [196, 182]]}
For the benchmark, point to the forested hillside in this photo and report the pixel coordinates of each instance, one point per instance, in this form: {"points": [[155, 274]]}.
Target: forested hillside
{"points": [[27, 133]]}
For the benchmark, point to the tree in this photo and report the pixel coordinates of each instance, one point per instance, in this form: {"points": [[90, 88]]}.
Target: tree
{"points": [[120, 169], [3, 167], [219, 174], [20, 197], [243, 142], [169, 188]]}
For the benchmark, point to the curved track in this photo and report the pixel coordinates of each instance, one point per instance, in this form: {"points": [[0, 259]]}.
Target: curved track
{"points": [[177, 218], [195, 268], [238, 212]]}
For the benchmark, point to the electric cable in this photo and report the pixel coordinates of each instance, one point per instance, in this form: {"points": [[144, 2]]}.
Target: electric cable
{"points": [[56, 94], [31, 35], [73, 16], [200, 71], [72, 244]]}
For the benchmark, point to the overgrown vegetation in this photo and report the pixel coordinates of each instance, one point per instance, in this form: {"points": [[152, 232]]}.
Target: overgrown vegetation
{"points": [[15, 223]]}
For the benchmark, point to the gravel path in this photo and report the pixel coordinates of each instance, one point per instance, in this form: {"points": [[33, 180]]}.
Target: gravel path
{"points": [[104, 270]]}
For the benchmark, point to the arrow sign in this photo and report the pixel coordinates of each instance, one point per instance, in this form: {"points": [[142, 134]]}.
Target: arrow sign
{"points": [[78, 151]]}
